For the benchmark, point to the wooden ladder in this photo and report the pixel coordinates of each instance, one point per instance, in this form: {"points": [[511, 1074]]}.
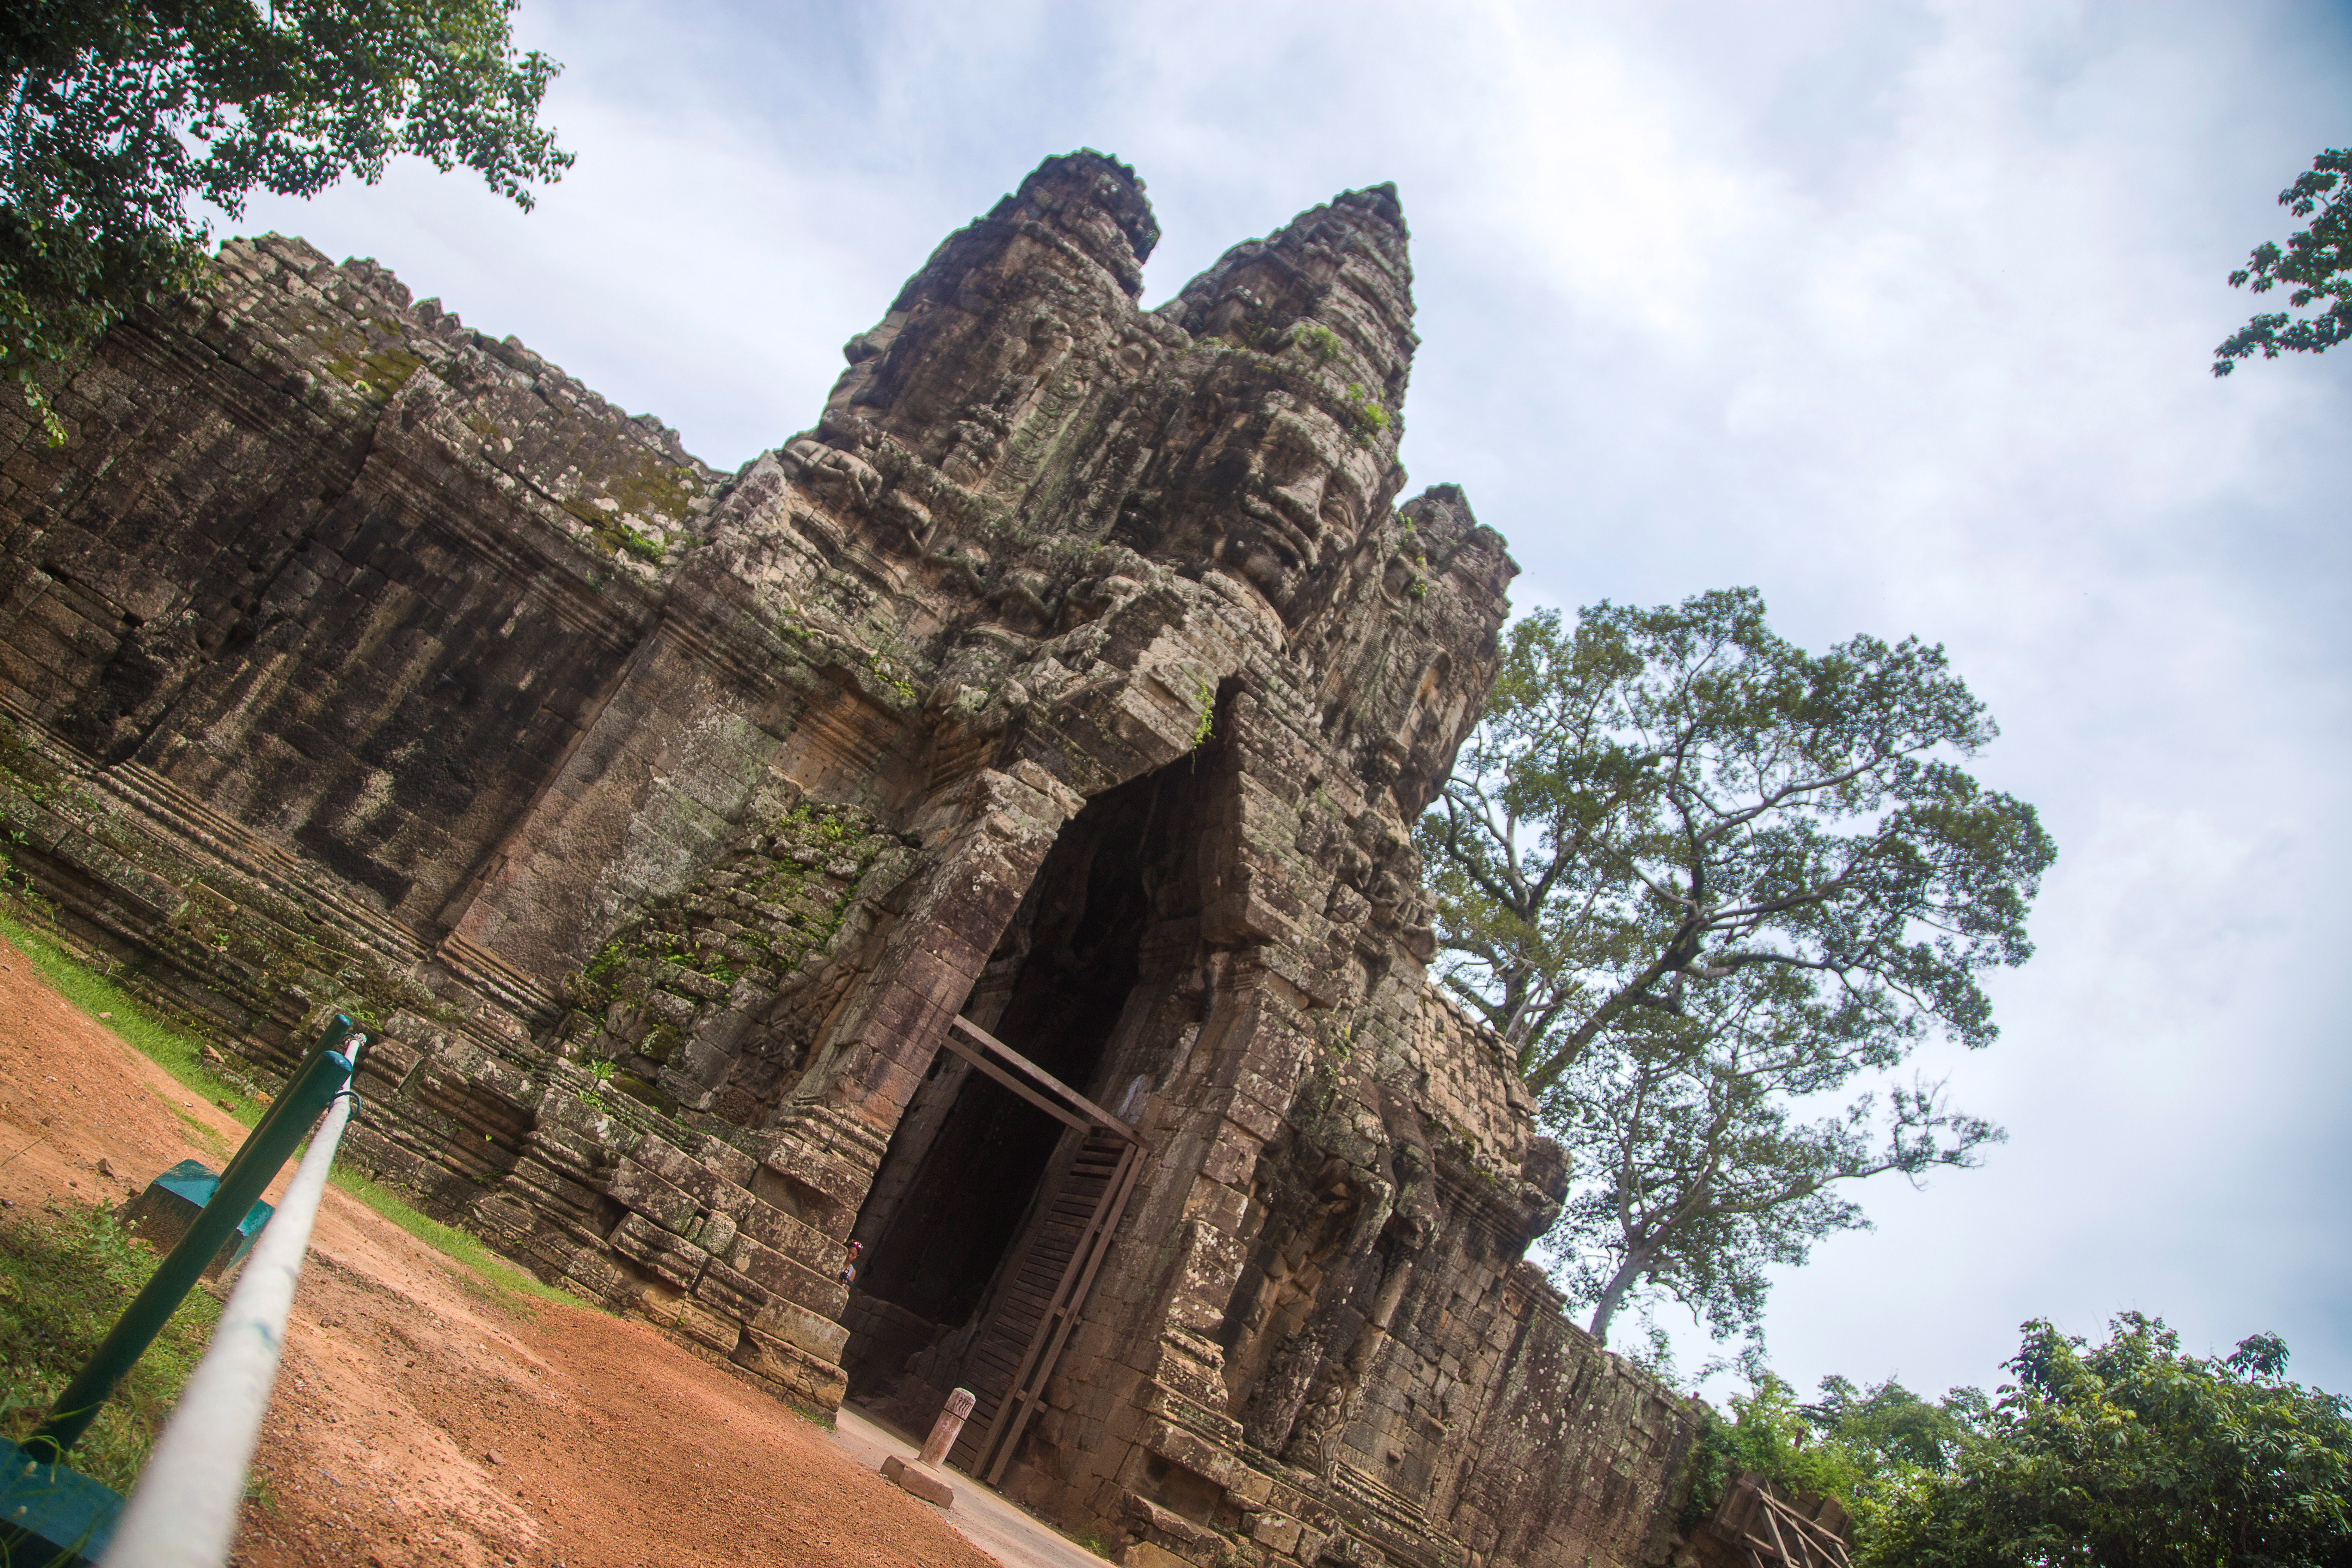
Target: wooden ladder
{"points": [[1045, 1290]]}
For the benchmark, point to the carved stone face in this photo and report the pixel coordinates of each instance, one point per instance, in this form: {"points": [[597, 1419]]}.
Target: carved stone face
{"points": [[1279, 493]]}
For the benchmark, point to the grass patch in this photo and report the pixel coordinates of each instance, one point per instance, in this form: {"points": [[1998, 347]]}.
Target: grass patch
{"points": [[66, 1274], [166, 1044]]}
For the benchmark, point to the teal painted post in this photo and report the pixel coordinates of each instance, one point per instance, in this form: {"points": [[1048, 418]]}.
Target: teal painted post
{"points": [[339, 1029], [317, 1082]]}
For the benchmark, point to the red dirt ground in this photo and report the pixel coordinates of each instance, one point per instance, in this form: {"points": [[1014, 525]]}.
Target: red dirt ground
{"points": [[419, 1418]]}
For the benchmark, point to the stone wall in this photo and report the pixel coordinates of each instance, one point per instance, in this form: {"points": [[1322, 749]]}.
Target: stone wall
{"points": [[341, 569], [1081, 672]]}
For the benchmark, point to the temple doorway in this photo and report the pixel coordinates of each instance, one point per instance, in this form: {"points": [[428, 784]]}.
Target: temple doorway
{"points": [[1014, 1161]]}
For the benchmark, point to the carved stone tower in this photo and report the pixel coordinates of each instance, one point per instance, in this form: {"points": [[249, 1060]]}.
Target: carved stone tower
{"points": [[972, 840]]}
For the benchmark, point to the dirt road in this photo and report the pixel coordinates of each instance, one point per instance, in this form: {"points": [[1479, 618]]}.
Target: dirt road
{"points": [[424, 1417]]}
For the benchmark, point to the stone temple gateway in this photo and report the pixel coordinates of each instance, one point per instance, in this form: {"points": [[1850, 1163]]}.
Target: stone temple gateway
{"points": [[972, 839]]}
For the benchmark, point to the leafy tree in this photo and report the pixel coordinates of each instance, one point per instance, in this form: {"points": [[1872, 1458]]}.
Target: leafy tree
{"points": [[1887, 1428], [1698, 877], [1855, 1444], [2316, 264], [1698, 1172], [119, 113], [2131, 1455], [1770, 1433]]}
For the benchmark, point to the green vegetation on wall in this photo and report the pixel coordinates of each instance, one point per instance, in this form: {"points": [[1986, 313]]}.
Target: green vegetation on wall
{"points": [[759, 913]]}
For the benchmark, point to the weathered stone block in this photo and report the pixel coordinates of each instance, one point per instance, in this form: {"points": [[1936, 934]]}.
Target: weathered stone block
{"points": [[780, 1275], [1143, 1554], [1276, 1533], [693, 1319], [636, 1187], [920, 1480], [724, 1161], [801, 1373], [389, 1062], [796, 1325], [771, 1227], [667, 1255]]}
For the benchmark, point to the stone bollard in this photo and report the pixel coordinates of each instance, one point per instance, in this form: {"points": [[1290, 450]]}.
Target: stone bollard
{"points": [[922, 1477], [952, 1415]]}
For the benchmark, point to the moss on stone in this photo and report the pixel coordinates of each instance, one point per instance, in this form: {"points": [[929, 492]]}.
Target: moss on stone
{"points": [[372, 371], [760, 913], [651, 485]]}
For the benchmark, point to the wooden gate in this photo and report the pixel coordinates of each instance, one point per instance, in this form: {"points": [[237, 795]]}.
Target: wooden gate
{"points": [[1763, 1530], [1042, 1294]]}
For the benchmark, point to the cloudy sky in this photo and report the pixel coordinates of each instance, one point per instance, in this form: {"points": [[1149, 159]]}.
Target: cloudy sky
{"points": [[1901, 313]]}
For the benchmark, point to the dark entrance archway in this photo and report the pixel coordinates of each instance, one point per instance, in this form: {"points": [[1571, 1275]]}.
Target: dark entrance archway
{"points": [[977, 1225]]}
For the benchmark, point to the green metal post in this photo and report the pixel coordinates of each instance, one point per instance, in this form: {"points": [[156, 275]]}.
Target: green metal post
{"points": [[339, 1029], [322, 1075]]}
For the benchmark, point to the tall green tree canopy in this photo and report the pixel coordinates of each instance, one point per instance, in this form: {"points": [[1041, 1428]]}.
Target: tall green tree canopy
{"points": [[2131, 1455], [1701, 880], [2316, 266], [119, 114], [1854, 1445]]}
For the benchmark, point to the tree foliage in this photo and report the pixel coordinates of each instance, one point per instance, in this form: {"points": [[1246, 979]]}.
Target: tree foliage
{"points": [[120, 113], [1855, 1445], [1697, 1170], [1887, 1430], [2315, 266], [1701, 878], [1769, 1432], [2132, 1455]]}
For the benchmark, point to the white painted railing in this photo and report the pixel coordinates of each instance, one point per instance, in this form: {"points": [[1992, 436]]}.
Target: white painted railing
{"points": [[183, 1513]]}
